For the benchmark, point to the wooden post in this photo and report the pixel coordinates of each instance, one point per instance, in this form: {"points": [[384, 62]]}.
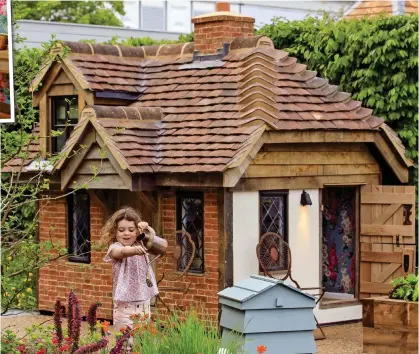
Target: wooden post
{"points": [[228, 231]]}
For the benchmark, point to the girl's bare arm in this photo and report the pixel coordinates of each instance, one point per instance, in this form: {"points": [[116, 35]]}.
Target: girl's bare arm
{"points": [[127, 251]]}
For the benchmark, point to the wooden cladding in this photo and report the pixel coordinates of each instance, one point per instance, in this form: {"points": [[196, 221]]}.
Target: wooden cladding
{"points": [[94, 163], [387, 242], [295, 166]]}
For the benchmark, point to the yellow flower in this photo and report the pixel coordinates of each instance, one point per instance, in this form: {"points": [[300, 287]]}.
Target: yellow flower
{"points": [[9, 258], [30, 274], [13, 288], [28, 290]]}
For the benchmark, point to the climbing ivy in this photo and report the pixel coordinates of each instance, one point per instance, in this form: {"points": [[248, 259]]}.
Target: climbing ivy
{"points": [[375, 59]]}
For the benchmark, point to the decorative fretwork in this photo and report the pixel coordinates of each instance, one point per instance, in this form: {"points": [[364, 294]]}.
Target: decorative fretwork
{"points": [[273, 220], [190, 218], [79, 227], [407, 213]]}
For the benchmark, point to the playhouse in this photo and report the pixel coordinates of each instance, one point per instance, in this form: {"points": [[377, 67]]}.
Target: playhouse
{"points": [[220, 137]]}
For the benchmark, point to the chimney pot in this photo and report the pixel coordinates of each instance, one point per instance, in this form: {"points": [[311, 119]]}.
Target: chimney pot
{"points": [[222, 6]]}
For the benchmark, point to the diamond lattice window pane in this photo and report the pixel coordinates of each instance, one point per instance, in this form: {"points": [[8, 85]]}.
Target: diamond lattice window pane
{"points": [[273, 219], [79, 212], [191, 220]]}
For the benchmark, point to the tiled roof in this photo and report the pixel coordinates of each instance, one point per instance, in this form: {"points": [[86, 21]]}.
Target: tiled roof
{"points": [[190, 115], [373, 8], [29, 152], [411, 7], [211, 111]]}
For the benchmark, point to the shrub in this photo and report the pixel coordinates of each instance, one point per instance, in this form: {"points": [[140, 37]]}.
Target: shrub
{"points": [[405, 288]]}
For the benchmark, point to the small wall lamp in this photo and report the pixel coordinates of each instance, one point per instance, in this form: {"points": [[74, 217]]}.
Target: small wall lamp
{"points": [[305, 199]]}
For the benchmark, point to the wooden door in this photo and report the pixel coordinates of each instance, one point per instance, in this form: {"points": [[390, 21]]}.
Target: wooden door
{"points": [[387, 237]]}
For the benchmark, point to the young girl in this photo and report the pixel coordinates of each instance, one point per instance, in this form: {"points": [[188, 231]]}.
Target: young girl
{"points": [[134, 283]]}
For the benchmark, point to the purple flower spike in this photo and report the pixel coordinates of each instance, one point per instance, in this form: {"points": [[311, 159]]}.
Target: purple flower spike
{"points": [[94, 347], [58, 322]]}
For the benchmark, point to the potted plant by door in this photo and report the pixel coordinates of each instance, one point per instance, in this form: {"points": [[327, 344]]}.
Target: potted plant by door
{"points": [[390, 324]]}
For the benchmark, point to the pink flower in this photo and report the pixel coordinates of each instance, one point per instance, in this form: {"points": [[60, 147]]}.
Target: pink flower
{"points": [[21, 348], [64, 348], [42, 351]]}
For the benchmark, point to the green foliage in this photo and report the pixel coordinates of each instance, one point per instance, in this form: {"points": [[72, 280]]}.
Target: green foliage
{"points": [[141, 41], [405, 288], [103, 13], [190, 334], [375, 59], [179, 334], [21, 253]]}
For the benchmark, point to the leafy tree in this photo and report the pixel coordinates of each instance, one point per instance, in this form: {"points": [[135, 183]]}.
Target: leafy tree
{"points": [[22, 254], [103, 13], [375, 59]]}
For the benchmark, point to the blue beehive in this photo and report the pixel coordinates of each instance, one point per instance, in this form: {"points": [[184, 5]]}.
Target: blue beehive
{"points": [[265, 311]]}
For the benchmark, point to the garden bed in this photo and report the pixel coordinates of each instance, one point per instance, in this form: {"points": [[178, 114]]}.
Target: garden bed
{"points": [[389, 326]]}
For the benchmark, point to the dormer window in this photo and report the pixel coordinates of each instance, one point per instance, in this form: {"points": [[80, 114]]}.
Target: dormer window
{"points": [[64, 117]]}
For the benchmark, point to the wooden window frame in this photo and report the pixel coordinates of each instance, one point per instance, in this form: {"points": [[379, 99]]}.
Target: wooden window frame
{"points": [[70, 226], [179, 197], [68, 128]]}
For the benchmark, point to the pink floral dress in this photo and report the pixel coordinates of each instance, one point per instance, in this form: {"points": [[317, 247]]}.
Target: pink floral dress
{"points": [[129, 278]]}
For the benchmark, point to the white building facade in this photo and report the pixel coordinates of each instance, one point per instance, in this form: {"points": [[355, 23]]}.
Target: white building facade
{"points": [[175, 15]]}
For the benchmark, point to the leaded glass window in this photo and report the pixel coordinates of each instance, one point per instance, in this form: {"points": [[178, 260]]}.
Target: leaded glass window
{"points": [[64, 118], [273, 218], [78, 204], [190, 218]]}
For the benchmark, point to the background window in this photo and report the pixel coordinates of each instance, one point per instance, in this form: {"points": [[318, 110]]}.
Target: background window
{"points": [[179, 16], [190, 218], [78, 204], [64, 117], [153, 15], [273, 218], [202, 8]]}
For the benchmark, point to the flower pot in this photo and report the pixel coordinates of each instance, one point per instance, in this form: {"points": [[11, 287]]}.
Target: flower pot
{"points": [[389, 326], [3, 41]]}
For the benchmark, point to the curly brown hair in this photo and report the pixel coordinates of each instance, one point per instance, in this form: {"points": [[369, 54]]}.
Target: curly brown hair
{"points": [[108, 233]]}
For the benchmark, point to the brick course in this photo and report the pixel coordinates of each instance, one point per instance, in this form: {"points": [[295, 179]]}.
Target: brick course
{"points": [[202, 294], [211, 31], [91, 282]]}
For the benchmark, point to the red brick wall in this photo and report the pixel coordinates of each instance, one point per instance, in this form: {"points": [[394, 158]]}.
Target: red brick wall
{"points": [[91, 282], [204, 288], [212, 31]]}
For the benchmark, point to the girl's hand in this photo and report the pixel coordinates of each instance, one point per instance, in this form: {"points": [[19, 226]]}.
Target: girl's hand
{"points": [[145, 228], [140, 250], [142, 226]]}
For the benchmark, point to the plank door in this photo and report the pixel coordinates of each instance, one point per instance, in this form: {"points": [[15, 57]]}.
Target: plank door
{"points": [[387, 237]]}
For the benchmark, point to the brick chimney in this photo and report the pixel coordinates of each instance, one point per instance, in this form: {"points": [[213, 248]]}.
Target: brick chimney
{"points": [[214, 29]]}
